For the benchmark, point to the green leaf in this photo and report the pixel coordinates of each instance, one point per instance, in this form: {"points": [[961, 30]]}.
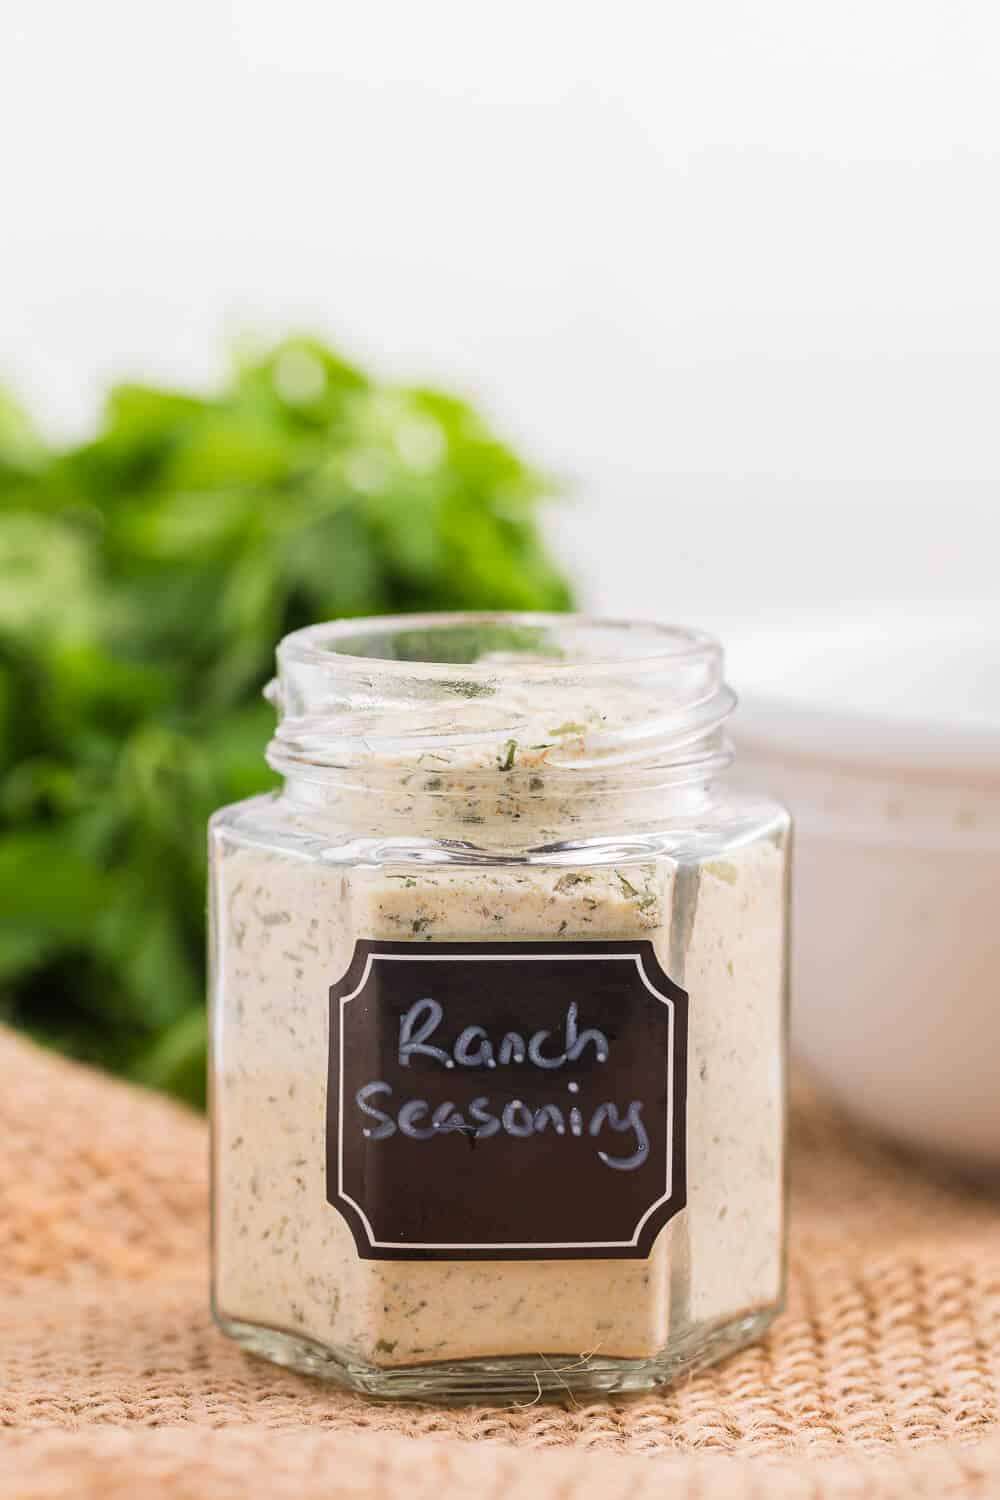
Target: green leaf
{"points": [[176, 1061], [51, 894], [21, 444], [140, 938], [47, 585]]}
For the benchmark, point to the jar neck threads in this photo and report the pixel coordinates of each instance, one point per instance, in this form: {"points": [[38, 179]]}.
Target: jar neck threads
{"points": [[520, 727]]}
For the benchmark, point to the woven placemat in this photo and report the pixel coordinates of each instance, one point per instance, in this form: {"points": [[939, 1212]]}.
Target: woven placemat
{"points": [[881, 1379]]}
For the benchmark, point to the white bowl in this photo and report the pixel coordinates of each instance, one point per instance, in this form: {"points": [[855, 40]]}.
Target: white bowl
{"points": [[882, 734]]}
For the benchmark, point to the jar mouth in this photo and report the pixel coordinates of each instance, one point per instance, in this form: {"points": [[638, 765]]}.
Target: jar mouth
{"points": [[487, 645], [465, 703]]}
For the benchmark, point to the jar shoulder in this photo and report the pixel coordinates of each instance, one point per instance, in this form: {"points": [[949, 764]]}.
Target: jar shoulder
{"points": [[276, 823]]}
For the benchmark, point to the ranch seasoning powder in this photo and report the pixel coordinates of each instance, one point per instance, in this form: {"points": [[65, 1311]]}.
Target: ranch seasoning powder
{"points": [[498, 1084]]}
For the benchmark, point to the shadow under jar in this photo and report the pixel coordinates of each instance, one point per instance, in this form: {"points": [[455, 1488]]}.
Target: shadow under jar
{"points": [[498, 1039]]}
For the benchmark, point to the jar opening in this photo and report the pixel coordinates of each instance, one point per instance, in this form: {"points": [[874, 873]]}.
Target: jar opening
{"points": [[539, 644], [482, 717]]}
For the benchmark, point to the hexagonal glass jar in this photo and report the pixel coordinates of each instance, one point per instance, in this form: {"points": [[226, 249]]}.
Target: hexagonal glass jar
{"points": [[498, 1037]]}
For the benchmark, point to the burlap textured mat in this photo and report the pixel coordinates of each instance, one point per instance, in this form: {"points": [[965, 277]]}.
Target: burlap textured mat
{"points": [[882, 1379]]}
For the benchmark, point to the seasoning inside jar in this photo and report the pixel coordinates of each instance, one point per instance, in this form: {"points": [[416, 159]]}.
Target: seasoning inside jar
{"points": [[499, 977]]}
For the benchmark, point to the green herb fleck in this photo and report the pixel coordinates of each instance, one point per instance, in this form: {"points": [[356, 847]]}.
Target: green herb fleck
{"points": [[469, 689], [506, 762]]}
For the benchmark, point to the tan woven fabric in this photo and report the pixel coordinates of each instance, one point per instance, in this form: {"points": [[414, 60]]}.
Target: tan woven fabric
{"points": [[882, 1379]]}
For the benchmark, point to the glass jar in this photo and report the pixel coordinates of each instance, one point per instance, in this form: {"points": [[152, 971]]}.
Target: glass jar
{"points": [[498, 1063]]}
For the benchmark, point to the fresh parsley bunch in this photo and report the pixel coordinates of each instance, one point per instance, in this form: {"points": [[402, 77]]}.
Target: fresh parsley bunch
{"points": [[145, 577]]}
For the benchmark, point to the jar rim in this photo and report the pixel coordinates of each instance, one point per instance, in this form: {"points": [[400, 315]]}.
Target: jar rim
{"points": [[593, 703], [649, 645]]}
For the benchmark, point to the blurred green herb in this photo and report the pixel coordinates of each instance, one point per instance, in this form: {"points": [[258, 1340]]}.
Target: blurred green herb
{"points": [[145, 577]]}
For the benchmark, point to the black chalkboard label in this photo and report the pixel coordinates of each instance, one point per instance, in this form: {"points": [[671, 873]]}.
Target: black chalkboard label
{"points": [[506, 1101]]}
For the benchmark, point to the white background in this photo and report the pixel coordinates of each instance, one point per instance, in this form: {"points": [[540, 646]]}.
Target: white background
{"points": [[731, 267]]}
